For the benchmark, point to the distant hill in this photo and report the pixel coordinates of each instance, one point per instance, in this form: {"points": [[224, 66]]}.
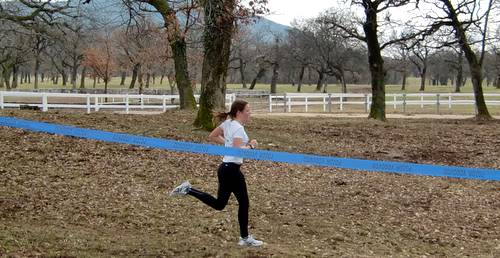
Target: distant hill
{"points": [[113, 12], [268, 28]]}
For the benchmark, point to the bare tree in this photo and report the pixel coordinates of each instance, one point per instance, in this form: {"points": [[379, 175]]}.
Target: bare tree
{"points": [[100, 58], [370, 26], [219, 26], [219, 17], [176, 38], [401, 61], [24, 12], [14, 51], [469, 21], [239, 52], [420, 59], [300, 50]]}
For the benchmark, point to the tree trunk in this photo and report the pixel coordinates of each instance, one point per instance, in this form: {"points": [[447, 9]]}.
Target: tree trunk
{"points": [[403, 84], [259, 75], [242, 71], [64, 78], [219, 26], [135, 72], [7, 70], [148, 79], [106, 86], [141, 82], [186, 95], [497, 82], [274, 78], [301, 76], [178, 45], [321, 78], [423, 74], [74, 73], [476, 77], [459, 80], [95, 82], [161, 79], [7, 81], [475, 66], [343, 82], [37, 70], [82, 79], [153, 76], [14, 76], [123, 75], [376, 64]]}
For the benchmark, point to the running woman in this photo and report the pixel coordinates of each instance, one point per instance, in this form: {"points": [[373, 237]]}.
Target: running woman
{"points": [[231, 133]]}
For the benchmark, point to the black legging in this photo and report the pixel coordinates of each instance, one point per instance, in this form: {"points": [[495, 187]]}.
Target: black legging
{"points": [[231, 180]]}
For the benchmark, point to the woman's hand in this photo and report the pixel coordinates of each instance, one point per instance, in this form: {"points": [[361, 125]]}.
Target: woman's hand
{"points": [[253, 143]]}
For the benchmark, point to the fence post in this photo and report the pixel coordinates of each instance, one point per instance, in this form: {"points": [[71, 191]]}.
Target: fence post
{"points": [[421, 100], [437, 102], [341, 101], [324, 104], [449, 101], [45, 108], [96, 104], [88, 103], [404, 102], [395, 99], [270, 103], [366, 103], [289, 104], [142, 101], [164, 103], [329, 102], [306, 104], [284, 102], [1, 100], [127, 100]]}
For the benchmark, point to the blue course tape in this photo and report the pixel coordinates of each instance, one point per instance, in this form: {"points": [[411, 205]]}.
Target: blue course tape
{"points": [[294, 158]]}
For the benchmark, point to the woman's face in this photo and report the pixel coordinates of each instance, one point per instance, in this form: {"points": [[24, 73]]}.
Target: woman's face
{"points": [[244, 116]]}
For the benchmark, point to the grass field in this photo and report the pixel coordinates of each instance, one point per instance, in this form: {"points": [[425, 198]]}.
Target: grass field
{"points": [[413, 85], [69, 197]]}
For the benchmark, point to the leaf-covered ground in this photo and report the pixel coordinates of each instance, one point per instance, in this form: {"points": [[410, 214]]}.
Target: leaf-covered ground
{"points": [[62, 196]]}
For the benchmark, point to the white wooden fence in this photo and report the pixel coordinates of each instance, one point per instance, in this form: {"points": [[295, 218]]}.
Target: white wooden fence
{"points": [[285, 102], [46, 101]]}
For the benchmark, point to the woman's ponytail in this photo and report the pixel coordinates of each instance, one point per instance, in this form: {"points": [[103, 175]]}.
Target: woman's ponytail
{"points": [[238, 105], [222, 116]]}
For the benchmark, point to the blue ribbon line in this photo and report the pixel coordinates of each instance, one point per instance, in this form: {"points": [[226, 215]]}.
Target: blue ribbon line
{"points": [[293, 158]]}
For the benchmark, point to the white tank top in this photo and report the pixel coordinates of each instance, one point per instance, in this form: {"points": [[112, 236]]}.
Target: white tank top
{"points": [[233, 129]]}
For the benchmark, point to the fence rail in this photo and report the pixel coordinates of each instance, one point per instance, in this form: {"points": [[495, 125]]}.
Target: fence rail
{"points": [[286, 101], [127, 102]]}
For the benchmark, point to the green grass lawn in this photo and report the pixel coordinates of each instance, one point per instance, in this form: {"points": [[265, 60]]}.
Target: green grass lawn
{"points": [[413, 86]]}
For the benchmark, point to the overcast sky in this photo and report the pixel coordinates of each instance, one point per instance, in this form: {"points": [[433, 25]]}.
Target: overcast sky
{"points": [[284, 11]]}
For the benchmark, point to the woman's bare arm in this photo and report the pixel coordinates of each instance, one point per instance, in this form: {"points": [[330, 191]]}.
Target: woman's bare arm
{"points": [[217, 136]]}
